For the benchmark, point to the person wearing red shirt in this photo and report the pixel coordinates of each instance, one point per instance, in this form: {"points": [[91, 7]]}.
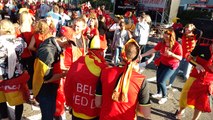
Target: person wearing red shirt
{"points": [[121, 91], [93, 28], [41, 32], [81, 80], [189, 40], [169, 60], [93, 25], [25, 31], [79, 43], [198, 89]]}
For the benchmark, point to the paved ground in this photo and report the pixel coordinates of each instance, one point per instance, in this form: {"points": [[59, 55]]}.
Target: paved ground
{"points": [[167, 110]]}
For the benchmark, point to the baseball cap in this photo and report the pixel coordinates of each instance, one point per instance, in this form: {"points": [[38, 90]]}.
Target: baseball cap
{"points": [[98, 42], [67, 32]]}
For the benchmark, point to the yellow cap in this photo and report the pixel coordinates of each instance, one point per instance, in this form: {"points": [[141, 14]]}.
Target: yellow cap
{"points": [[97, 43], [174, 20]]}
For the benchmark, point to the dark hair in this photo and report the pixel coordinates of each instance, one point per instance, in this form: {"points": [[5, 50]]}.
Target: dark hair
{"points": [[142, 14], [100, 17]]}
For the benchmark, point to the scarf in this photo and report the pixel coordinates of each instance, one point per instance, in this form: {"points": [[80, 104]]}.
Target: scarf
{"points": [[120, 92]]}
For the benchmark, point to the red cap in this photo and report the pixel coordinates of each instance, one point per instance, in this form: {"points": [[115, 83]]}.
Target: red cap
{"points": [[67, 32], [128, 14]]}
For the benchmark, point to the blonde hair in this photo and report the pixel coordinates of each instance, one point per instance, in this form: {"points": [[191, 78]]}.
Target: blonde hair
{"points": [[171, 33], [80, 19], [6, 27], [25, 17], [52, 24], [42, 27], [192, 26]]}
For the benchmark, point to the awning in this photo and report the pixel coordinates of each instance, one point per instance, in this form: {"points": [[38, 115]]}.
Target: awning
{"points": [[200, 5]]}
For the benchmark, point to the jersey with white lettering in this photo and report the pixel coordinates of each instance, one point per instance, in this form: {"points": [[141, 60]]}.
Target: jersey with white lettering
{"points": [[80, 86]]}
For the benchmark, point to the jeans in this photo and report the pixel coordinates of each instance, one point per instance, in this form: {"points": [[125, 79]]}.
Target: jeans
{"points": [[47, 100], [163, 74], [186, 67], [172, 78], [117, 55]]}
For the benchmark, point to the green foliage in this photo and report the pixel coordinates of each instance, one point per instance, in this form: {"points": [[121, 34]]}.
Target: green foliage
{"points": [[186, 16]]}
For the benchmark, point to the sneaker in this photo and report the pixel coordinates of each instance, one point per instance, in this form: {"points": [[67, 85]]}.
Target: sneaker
{"points": [[179, 115], [174, 90], [157, 95], [162, 100], [33, 102], [169, 86]]}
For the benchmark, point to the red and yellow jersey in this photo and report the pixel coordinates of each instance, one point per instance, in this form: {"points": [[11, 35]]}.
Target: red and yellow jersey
{"points": [[188, 44], [204, 57], [72, 53], [196, 92], [80, 86]]}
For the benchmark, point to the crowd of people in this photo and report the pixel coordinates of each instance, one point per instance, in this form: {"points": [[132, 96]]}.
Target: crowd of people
{"points": [[54, 57]]}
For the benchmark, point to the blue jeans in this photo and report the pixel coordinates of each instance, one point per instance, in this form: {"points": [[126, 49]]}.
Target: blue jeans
{"points": [[186, 67], [172, 78], [117, 55], [163, 74], [47, 100]]}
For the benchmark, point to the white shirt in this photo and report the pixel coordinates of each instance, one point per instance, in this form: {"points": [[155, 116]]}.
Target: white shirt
{"points": [[142, 32]]}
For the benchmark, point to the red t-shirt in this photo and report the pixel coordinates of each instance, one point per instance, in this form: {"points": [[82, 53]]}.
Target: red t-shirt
{"points": [[112, 110], [93, 32], [134, 18], [57, 70], [27, 38], [177, 26], [169, 61]]}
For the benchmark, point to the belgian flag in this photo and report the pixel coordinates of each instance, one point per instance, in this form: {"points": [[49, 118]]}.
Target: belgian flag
{"points": [[40, 70]]}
